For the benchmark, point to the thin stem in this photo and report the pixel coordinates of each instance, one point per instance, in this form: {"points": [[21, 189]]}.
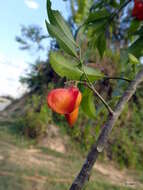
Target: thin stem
{"points": [[91, 86], [118, 78], [101, 98]]}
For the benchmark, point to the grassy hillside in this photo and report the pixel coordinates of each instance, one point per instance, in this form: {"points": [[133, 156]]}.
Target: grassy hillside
{"points": [[30, 165]]}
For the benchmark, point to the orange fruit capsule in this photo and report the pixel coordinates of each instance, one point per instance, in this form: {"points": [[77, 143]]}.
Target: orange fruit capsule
{"points": [[64, 100], [72, 117]]}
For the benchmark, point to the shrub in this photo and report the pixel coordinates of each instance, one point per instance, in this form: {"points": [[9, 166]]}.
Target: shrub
{"points": [[36, 119]]}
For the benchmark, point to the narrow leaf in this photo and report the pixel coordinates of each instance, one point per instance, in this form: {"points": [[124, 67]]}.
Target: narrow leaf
{"points": [[57, 20], [62, 40], [87, 104], [101, 44], [63, 26]]}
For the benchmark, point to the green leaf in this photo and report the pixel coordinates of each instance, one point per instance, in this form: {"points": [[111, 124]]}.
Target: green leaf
{"points": [[139, 32], [137, 48], [67, 67], [98, 5], [59, 29], [98, 27], [115, 4], [133, 27], [49, 12], [57, 20], [93, 74], [101, 44], [133, 59], [62, 40], [87, 104], [63, 26], [97, 16]]}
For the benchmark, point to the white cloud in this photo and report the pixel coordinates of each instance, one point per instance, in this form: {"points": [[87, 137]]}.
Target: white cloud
{"points": [[32, 4], [11, 70], [2, 57]]}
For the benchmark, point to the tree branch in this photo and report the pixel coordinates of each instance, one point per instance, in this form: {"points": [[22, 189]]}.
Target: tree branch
{"points": [[119, 10], [98, 146]]}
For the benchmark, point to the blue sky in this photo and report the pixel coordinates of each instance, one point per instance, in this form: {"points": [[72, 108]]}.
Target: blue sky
{"points": [[14, 62]]}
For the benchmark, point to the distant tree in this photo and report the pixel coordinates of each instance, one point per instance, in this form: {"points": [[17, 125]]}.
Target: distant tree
{"points": [[41, 73], [31, 38]]}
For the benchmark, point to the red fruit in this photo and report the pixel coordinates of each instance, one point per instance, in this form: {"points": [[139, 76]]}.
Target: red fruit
{"points": [[72, 117], [137, 11], [64, 100]]}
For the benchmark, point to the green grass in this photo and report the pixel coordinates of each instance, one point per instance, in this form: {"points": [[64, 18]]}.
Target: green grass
{"points": [[11, 134], [99, 185], [44, 170]]}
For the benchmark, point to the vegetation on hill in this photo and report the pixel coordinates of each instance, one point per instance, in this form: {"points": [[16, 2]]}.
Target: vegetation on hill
{"points": [[125, 146], [30, 164]]}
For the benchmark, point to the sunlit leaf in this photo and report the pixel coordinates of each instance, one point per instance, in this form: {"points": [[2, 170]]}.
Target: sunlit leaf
{"points": [[93, 74], [59, 29], [62, 40], [133, 59], [67, 67], [63, 26]]}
